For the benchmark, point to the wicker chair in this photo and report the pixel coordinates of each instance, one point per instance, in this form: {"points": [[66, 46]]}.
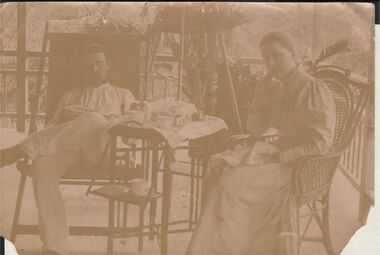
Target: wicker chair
{"points": [[312, 176]]}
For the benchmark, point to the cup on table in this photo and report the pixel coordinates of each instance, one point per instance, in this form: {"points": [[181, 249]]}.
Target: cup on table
{"points": [[135, 115], [139, 186], [199, 116]]}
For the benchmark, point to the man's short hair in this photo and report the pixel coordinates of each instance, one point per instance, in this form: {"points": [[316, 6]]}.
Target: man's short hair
{"points": [[95, 48]]}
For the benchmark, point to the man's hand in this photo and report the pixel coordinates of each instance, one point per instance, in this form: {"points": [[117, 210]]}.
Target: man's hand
{"points": [[74, 111], [61, 118], [70, 113], [67, 114]]}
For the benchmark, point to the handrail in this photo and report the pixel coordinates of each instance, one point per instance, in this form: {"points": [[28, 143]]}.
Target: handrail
{"points": [[13, 53], [352, 78]]}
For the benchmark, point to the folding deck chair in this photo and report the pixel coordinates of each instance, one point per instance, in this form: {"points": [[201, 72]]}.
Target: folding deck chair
{"points": [[64, 74]]}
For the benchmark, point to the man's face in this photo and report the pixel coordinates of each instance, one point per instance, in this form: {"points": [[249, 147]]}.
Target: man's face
{"points": [[96, 68], [278, 60]]}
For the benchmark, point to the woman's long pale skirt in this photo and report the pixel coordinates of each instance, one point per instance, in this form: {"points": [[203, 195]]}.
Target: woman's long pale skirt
{"points": [[248, 210]]}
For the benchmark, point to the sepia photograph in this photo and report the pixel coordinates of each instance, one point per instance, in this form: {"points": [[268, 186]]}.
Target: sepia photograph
{"points": [[195, 128]]}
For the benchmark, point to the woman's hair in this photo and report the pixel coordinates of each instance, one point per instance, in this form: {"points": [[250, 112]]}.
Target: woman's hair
{"points": [[284, 39]]}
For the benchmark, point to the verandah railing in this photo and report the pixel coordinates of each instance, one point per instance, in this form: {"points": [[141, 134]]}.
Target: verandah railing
{"points": [[354, 164], [357, 164], [163, 88], [9, 89]]}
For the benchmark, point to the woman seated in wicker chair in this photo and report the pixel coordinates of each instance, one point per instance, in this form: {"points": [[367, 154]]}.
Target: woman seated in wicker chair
{"points": [[249, 205]]}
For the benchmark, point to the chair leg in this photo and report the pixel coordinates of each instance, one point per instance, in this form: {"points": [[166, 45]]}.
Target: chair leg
{"points": [[298, 230], [111, 215], [364, 208], [141, 229], [16, 217], [152, 218], [326, 225]]}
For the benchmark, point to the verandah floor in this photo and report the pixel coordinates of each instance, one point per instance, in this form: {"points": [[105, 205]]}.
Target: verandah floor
{"points": [[92, 210]]}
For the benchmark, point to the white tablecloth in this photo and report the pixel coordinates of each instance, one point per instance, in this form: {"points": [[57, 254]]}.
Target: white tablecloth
{"points": [[193, 130]]}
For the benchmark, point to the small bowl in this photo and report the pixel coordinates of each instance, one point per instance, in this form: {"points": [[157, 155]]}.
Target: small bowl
{"points": [[139, 186]]}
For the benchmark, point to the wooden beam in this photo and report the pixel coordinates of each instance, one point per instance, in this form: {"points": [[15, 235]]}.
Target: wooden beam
{"points": [[21, 47]]}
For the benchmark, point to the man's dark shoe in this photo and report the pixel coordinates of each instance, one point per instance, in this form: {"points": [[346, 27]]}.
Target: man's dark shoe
{"points": [[47, 252], [11, 155], [50, 252]]}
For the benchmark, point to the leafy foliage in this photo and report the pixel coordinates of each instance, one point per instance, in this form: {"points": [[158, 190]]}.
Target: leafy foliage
{"points": [[313, 25]]}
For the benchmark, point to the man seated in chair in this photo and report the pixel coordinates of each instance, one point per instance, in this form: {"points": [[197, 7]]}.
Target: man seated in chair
{"points": [[76, 134]]}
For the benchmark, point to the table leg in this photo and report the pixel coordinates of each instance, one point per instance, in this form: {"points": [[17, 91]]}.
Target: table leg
{"points": [[203, 174], [111, 222], [166, 201], [153, 203]]}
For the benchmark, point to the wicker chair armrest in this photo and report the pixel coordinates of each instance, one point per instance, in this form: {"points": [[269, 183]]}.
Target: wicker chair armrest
{"points": [[244, 139], [238, 138], [313, 175]]}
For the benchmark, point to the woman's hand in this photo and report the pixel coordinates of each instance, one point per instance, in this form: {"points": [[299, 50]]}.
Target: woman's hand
{"points": [[265, 148], [263, 153], [112, 116], [270, 159]]}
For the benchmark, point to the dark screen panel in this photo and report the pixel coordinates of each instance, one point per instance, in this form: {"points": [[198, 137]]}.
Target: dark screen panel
{"points": [[66, 56]]}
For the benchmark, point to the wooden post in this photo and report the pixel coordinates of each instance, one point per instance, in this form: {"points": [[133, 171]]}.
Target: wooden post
{"points": [[231, 85], [364, 200], [181, 50], [317, 43], [35, 99], [144, 91], [21, 44], [3, 104], [156, 38]]}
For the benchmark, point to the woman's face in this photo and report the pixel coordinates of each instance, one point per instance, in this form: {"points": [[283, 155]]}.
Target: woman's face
{"points": [[278, 60]]}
